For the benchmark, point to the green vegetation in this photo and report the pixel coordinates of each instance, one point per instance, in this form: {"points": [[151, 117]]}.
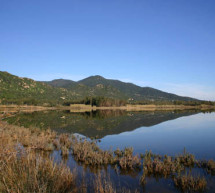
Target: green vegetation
{"points": [[131, 91], [16, 90], [174, 102], [98, 101], [98, 90]]}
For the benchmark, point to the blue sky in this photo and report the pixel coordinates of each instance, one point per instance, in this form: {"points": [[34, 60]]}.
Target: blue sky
{"points": [[166, 44]]}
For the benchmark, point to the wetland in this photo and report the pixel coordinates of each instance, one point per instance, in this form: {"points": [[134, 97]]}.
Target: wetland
{"points": [[121, 151]]}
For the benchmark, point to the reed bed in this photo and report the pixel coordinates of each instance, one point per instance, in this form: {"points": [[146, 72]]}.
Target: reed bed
{"points": [[24, 170], [89, 153], [190, 183]]}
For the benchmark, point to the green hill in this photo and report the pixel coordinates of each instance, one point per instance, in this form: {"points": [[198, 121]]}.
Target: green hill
{"points": [[14, 89], [85, 90], [99, 86]]}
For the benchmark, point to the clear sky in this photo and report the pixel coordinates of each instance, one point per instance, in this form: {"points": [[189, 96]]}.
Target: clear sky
{"points": [[165, 44]]}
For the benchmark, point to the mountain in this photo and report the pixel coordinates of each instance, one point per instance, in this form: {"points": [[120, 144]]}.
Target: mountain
{"points": [[16, 89], [84, 89], [62, 83], [131, 90], [123, 90]]}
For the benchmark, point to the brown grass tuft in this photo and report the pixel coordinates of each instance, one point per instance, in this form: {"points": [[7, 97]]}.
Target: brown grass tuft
{"points": [[190, 183]]}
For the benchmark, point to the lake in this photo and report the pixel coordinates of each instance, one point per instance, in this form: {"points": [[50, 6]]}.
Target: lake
{"points": [[162, 132]]}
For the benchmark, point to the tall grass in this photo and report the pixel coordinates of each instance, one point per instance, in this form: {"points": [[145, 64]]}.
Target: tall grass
{"points": [[23, 170], [28, 172], [189, 183]]}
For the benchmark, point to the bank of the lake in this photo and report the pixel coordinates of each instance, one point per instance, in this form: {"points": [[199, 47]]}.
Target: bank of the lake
{"points": [[83, 108]]}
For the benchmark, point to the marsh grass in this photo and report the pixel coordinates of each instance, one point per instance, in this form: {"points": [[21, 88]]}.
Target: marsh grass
{"points": [[26, 171], [189, 183], [162, 167], [208, 165], [103, 184], [173, 167], [187, 159], [89, 153], [22, 169], [126, 160], [29, 138], [166, 166], [211, 166]]}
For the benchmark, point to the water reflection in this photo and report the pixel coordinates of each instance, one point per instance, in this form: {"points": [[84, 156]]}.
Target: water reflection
{"points": [[195, 133], [95, 123]]}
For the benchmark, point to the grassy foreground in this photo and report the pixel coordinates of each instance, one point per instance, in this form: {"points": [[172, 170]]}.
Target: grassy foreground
{"points": [[23, 169]]}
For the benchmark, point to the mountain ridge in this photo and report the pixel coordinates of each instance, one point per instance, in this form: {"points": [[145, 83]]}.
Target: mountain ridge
{"points": [[131, 90], [14, 88]]}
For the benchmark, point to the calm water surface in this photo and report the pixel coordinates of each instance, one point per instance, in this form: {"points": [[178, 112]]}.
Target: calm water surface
{"points": [[196, 133]]}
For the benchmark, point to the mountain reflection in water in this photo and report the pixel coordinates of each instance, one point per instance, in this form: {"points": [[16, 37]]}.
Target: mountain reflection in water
{"points": [[95, 123]]}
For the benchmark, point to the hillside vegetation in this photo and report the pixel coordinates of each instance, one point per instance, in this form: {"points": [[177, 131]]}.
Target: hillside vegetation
{"points": [[17, 90], [122, 90], [14, 89]]}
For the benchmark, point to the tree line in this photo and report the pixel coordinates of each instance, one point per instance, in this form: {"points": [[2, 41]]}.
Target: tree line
{"points": [[173, 102], [98, 101], [101, 101]]}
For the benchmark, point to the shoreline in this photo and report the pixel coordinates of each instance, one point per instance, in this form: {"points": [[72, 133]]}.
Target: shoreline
{"points": [[86, 108]]}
